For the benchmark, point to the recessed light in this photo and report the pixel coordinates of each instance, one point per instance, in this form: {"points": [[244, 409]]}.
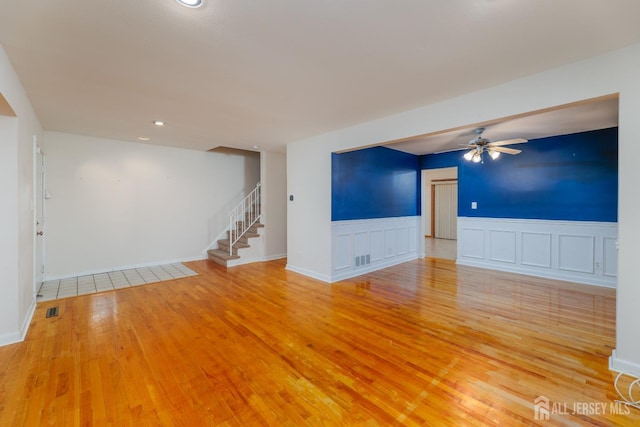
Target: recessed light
{"points": [[158, 123], [191, 3], [143, 138]]}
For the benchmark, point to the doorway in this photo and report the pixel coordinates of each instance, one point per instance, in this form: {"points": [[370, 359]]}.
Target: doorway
{"points": [[440, 212], [444, 207]]}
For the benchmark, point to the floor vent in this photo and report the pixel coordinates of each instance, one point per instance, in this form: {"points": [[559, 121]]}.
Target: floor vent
{"points": [[53, 311]]}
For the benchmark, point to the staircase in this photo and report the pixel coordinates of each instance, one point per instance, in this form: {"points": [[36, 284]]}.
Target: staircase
{"points": [[244, 223]]}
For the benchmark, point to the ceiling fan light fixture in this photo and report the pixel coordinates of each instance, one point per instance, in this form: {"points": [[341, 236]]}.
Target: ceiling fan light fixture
{"points": [[494, 154], [191, 3], [477, 157], [469, 155]]}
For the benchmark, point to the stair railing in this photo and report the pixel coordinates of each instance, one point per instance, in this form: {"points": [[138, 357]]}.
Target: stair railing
{"points": [[244, 215]]}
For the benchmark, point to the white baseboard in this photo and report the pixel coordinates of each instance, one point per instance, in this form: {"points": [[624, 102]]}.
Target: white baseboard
{"points": [[619, 365], [18, 336], [373, 267], [123, 267], [308, 273], [536, 273]]}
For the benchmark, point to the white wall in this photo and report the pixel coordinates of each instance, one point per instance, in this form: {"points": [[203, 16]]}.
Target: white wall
{"points": [[428, 176], [8, 227], [309, 164], [117, 204], [17, 232]]}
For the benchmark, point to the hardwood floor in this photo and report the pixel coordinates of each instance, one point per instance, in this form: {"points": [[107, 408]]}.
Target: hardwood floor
{"points": [[425, 342]]}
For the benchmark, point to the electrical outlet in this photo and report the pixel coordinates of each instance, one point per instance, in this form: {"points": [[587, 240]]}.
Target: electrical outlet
{"points": [[474, 205]]}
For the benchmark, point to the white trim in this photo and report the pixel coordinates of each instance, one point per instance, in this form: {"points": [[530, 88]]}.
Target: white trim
{"points": [[309, 273], [571, 251], [364, 245], [19, 336], [374, 267], [123, 267], [620, 365], [537, 273]]}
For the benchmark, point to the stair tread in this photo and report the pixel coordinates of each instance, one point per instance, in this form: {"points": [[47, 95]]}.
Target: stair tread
{"points": [[222, 254], [237, 244]]}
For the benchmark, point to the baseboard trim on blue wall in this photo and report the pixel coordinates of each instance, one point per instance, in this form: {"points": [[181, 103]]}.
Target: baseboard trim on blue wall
{"points": [[374, 267], [575, 251], [536, 273]]}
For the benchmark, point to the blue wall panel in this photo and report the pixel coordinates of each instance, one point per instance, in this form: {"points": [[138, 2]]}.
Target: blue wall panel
{"points": [[374, 183], [571, 177]]}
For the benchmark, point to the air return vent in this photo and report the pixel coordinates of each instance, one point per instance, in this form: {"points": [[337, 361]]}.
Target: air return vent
{"points": [[51, 312]]}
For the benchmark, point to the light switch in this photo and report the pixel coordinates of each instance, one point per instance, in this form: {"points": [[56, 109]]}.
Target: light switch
{"points": [[474, 205]]}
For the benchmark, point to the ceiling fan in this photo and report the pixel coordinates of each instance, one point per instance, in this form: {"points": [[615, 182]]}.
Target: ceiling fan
{"points": [[479, 145]]}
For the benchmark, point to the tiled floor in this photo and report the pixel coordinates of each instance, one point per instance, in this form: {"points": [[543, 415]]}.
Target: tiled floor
{"points": [[54, 289]]}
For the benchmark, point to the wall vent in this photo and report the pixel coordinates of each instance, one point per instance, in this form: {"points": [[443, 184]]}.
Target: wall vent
{"points": [[362, 260]]}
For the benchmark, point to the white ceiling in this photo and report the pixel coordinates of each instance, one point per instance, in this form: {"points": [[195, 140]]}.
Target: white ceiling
{"points": [[564, 120], [244, 73]]}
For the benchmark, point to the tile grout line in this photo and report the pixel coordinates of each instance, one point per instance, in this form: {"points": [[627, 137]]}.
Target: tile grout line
{"points": [[111, 282]]}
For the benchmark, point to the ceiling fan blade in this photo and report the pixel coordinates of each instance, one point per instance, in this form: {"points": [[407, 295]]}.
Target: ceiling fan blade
{"points": [[507, 142], [505, 150]]}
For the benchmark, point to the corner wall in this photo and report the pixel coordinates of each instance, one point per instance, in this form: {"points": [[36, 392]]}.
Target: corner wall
{"points": [[17, 231]]}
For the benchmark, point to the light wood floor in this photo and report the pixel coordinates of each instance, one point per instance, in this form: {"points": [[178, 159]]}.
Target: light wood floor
{"points": [[425, 342]]}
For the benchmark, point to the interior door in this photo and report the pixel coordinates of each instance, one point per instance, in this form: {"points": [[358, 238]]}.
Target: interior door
{"points": [[40, 192], [445, 209]]}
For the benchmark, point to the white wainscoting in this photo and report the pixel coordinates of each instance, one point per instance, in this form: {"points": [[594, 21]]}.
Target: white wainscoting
{"points": [[361, 246], [576, 251]]}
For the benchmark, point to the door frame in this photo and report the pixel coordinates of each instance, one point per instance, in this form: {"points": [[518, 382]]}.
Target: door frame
{"points": [[39, 195]]}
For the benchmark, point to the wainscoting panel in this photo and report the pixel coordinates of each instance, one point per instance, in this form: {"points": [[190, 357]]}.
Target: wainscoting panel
{"points": [[377, 245], [576, 251], [502, 246], [342, 252], [471, 244], [390, 244], [361, 246], [610, 251], [536, 249]]}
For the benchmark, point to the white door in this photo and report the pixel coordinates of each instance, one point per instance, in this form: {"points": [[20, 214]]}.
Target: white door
{"points": [[445, 210], [39, 183]]}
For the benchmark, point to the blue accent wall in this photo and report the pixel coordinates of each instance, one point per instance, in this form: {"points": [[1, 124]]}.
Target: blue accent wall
{"points": [[571, 177], [374, 183]]}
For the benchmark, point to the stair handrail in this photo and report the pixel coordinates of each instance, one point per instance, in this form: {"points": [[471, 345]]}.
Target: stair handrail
{"points": [[244, 215]]}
